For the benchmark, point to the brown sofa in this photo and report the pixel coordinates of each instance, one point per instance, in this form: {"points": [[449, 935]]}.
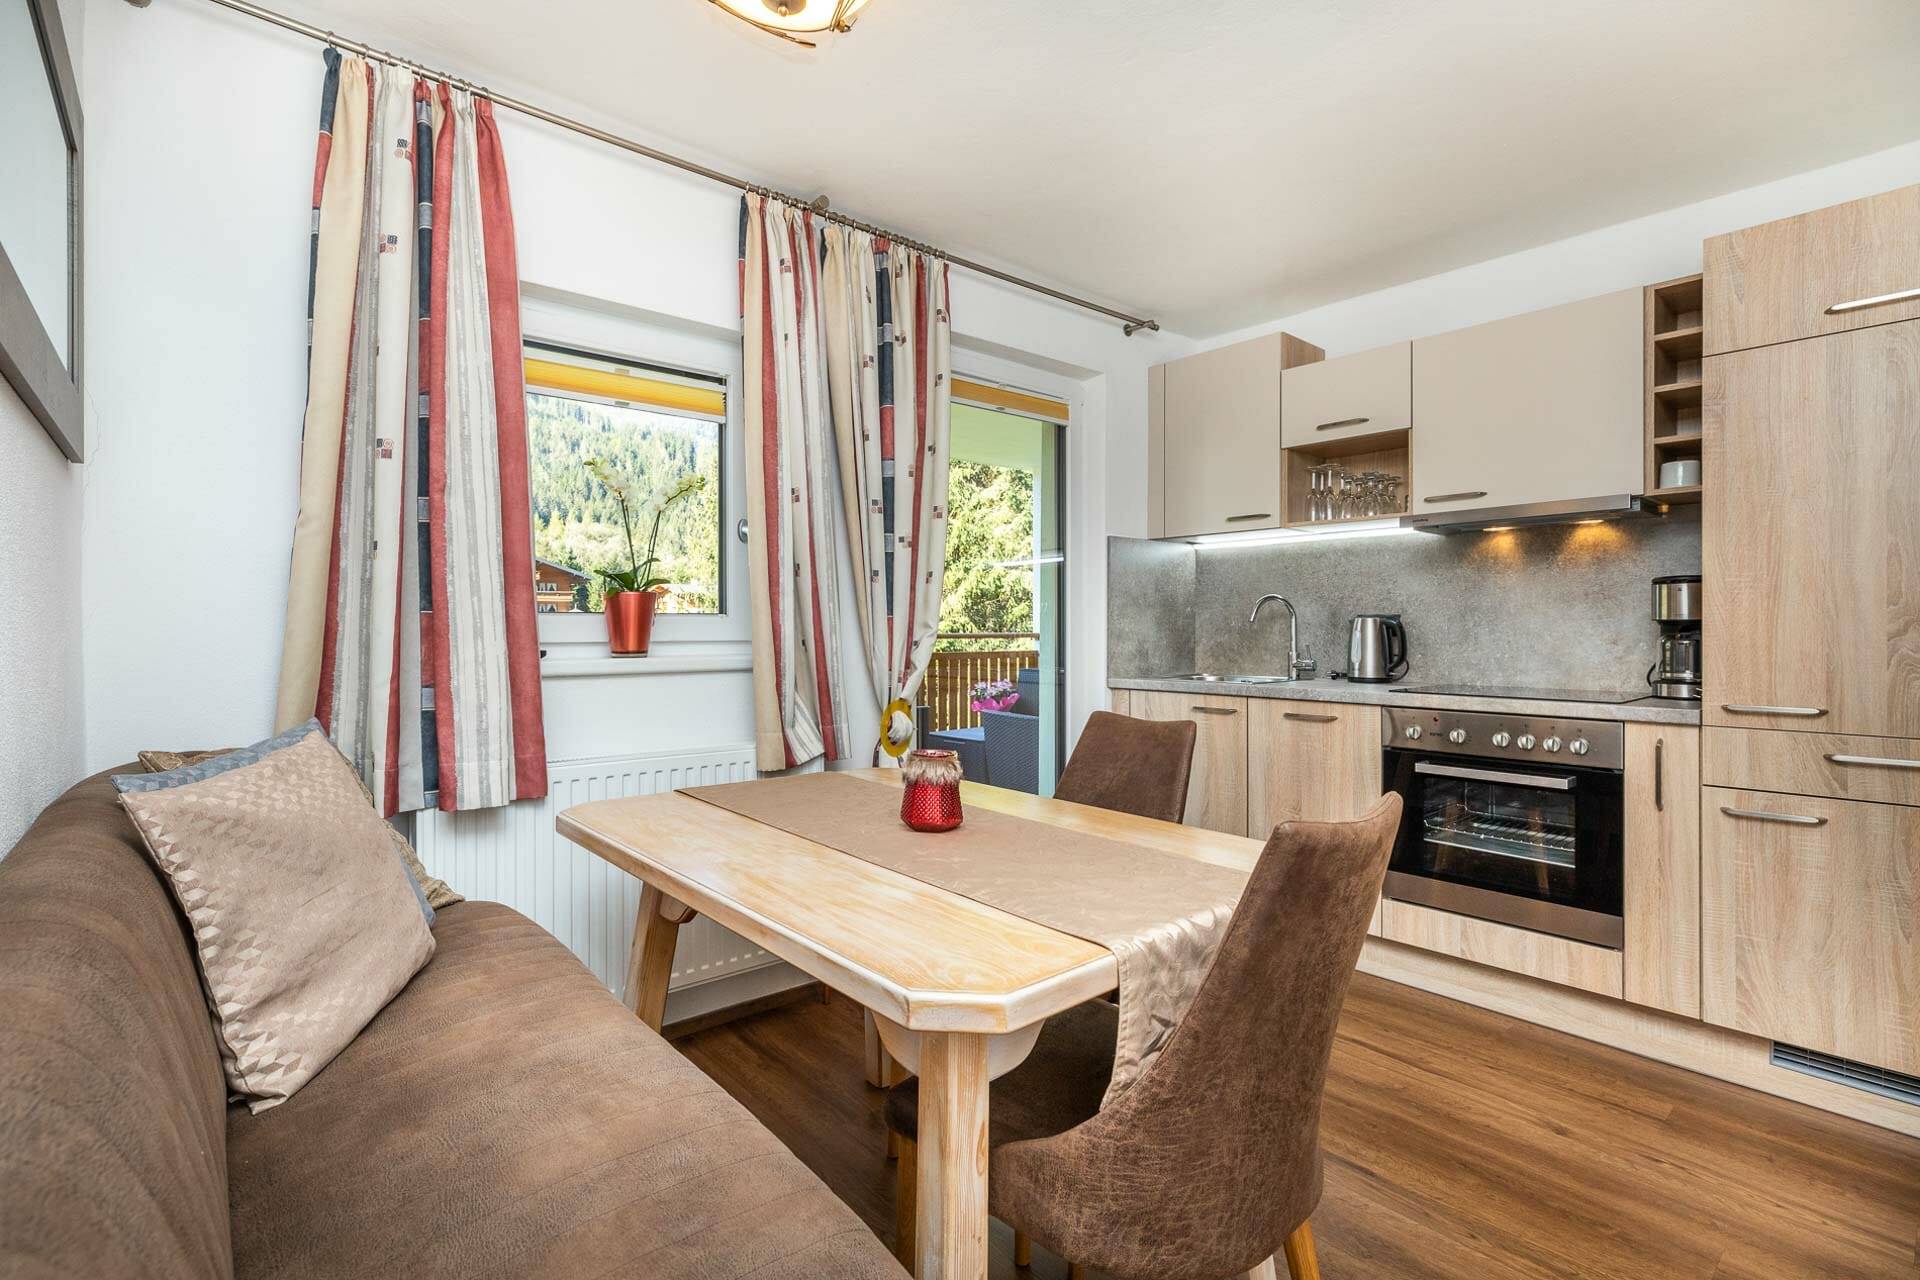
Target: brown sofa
{"points": [[503, 1116]]}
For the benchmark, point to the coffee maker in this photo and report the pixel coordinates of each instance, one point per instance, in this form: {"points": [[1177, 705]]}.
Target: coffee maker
{"points": [[1676, 607]]}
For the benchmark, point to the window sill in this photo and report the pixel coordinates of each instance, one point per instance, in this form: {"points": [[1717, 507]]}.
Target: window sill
{"points": [[662, 661]]}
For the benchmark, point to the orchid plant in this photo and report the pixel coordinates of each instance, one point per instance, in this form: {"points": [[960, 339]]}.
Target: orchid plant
{"points": [[639, 574]]}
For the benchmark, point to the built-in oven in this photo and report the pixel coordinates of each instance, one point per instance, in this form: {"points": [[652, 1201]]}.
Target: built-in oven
{"points": [[1516, 819]]}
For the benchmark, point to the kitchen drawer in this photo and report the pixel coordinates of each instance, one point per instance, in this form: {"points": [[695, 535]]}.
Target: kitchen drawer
{"points": [[1779, 281], [1810, 923], [1501, 946], [1363, 394], [1843, 766]]}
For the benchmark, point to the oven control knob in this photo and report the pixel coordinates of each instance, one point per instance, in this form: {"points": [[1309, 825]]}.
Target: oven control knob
{"points": [[1578, 746], [1456, 736], [1551, 744], [1525, 742], [1413, 733], [1501, 738]]}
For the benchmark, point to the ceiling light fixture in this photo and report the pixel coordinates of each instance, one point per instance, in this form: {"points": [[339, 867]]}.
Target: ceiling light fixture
{"points": [[796, 19]]}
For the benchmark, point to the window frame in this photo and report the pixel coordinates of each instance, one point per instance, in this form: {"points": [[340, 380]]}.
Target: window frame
{"points": [[612, 332]]}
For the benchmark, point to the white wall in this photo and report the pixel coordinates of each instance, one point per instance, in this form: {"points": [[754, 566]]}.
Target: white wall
{"points": [[40, 619], [41, 603], [198, 192], [1641, 252]]}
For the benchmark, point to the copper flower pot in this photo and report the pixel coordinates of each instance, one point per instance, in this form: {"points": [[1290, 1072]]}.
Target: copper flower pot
{"points": [[630, 622]]}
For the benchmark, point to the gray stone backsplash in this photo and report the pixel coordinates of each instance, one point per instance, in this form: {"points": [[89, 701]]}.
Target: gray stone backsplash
{"points": [[1552, 605]]}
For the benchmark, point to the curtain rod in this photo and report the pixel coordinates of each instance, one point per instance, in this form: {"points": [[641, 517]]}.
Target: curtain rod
{"points": [[1130, 324]]}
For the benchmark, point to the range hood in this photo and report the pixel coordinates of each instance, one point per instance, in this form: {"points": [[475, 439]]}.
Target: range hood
{"points": [[1623, 506]]}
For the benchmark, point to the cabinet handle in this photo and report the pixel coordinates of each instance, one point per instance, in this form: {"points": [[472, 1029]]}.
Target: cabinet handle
{"points": [[1877, 300], [1455, 497], [1301, 715], [1257, 515], [1761, 815], [1344, 422], [1748, 709], [1877, 762], [1214, 711], [1659, 774]]}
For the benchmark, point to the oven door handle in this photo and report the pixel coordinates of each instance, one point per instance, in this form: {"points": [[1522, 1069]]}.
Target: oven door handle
{"points": [[1492, 775]]}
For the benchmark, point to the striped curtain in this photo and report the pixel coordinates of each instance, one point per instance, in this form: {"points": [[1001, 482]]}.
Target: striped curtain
{"points": [[410, 609], [792, 554], [890, 373]]}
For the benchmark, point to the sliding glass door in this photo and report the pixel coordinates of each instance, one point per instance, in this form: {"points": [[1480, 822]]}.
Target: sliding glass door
{"points": [[995, 690]]}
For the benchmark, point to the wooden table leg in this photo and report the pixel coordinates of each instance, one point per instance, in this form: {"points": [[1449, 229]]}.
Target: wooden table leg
{"points": [[952, 1157], [656, 927]]}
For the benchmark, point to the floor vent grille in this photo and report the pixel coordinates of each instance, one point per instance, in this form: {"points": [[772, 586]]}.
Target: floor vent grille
{"points": [[1858, 1075]]}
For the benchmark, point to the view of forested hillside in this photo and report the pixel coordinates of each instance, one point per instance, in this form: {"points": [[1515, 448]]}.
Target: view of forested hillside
{"points": [[989, 521], [576, 522]]}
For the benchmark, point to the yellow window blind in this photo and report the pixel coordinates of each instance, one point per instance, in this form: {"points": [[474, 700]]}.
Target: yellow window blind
{"points": [[627, 388], [988, 396]]}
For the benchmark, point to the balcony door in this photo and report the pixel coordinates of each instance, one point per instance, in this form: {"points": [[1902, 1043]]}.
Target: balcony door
{"points": [[996, 687]]}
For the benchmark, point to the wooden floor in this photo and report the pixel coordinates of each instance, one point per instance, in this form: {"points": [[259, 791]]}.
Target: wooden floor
{"points": [[1460, 1143]]}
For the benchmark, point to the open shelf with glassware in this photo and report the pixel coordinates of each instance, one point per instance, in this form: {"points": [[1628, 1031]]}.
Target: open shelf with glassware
{"points": [[1337, 482], [1675, 339]]}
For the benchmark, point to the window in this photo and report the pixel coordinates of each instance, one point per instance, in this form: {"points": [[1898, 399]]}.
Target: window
{"points": [[652, 427]]}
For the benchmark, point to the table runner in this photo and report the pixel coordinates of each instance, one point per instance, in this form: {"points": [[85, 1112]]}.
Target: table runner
{"points": [[1162, 916]]}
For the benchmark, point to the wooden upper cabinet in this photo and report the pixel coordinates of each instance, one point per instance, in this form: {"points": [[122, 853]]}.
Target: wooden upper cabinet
{"points": [[1310, 761], [1217, 788], [1662, 867], [1811, 534], [1221, 436], [1540, 407], [1810, 923], [1782, 280], [1357, 395]]}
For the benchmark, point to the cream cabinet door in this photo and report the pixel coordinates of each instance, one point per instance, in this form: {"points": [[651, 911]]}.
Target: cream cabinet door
{"points": [[1810, 540], [1217, 790], [1662, 871], [1781, 280], [1221, 439], [1357, 395], [1541, 407], [1310, 761], [1810, 923]]}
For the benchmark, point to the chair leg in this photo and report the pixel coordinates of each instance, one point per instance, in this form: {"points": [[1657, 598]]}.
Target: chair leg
{"points": [[1264, 1271], [906, 1185], [1022, 1249], [1075, 1271], [1302, 1262]]}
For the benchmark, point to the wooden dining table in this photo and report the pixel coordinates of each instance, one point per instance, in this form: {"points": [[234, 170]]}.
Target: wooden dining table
{"points": [[958, 989]]}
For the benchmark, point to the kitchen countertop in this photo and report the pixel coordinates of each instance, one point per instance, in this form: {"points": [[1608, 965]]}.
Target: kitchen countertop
{"points": [[1645, 711]]}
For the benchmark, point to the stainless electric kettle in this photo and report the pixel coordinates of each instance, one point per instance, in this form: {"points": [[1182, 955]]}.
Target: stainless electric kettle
{"points": [[1377, 648]]}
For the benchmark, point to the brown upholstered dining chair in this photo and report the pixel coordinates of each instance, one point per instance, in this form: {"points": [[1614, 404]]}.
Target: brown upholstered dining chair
{"points": [[1209, 1164], [1131, 766]]}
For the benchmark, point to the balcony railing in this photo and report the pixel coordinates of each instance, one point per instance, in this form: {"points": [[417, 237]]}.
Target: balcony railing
{"points": [[952, 673]]}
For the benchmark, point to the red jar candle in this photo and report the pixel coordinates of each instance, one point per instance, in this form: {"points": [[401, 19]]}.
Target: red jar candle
{"points": [[930, 795]]}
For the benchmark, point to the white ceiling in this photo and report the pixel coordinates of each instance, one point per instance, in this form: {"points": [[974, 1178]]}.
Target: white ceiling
{"points": [[1218, 162]]}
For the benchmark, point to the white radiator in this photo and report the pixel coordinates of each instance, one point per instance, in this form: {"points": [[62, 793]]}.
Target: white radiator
{"points": [[513, 855]]}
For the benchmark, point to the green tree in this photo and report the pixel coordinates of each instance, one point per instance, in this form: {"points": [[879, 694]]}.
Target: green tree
{"points": [[989, 521]]}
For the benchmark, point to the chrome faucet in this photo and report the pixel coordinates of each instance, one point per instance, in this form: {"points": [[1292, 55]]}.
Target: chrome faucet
{"points": [[1293, 629]]}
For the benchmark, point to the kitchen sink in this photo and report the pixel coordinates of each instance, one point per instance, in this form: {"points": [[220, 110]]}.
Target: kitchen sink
{"points": [[1208, 677]]}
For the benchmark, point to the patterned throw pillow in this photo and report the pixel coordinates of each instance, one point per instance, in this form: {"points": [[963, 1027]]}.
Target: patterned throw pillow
{"points": [[306, 920], [439, 892]]}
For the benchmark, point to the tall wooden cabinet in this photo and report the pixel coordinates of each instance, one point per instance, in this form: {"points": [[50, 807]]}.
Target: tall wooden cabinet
{"points": [[1810, 843]]}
